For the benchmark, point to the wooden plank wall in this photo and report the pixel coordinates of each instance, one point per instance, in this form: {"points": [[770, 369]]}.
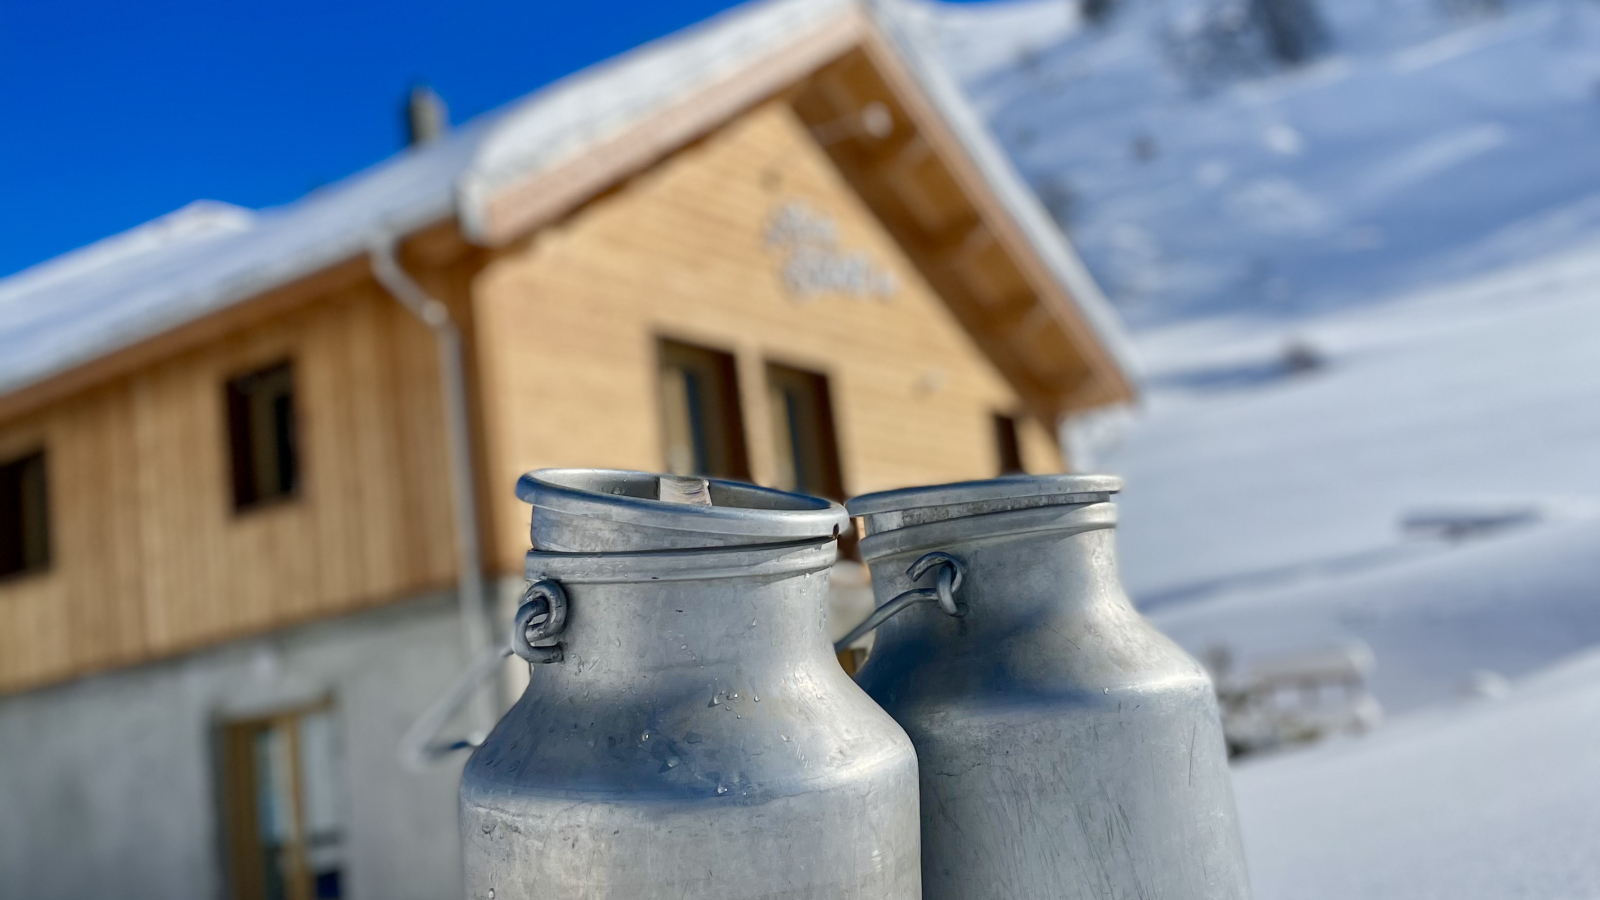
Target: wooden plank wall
{"points": [[149, 557], [568, 323], [937, 205]]}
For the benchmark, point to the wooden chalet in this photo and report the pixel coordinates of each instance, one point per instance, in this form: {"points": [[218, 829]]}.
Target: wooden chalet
{"points": [[777, 247]]}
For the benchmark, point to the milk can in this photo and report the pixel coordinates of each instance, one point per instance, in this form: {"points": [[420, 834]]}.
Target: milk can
{"points": [[686, 730], [1067, 749]]}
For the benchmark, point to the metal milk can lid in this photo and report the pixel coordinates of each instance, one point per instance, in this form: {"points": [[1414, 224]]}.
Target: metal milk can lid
{"points": [[613, 510], [891, 510]]}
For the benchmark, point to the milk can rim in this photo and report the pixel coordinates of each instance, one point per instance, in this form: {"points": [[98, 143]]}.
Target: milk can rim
{"points": [[700, 564], [789, 515], [1008, 487]]}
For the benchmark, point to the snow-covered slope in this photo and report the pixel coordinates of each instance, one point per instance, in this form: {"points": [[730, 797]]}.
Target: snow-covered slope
{"points": [[1434, 620], [1419, 147], [1367, 296], [1493, 800], [1482, 394], [1365, 290], [1267, 511]]}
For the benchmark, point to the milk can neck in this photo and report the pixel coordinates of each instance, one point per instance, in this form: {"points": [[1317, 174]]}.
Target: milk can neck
{"points": [[1023, 546], [1044, 572], [634, 613], [1040, 562]]}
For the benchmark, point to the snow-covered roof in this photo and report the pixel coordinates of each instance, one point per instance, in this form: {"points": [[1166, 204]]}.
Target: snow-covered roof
{"points": [[555, 125], [207, 256]]}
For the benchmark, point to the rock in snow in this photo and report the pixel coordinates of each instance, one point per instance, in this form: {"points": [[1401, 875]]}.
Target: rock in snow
{"points": [[1492, 799]]}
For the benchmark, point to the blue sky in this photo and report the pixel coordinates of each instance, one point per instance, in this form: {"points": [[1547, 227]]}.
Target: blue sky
{"points": [[112, 113]]}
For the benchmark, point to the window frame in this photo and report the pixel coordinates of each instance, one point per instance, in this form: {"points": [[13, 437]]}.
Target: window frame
{"points": [[240, 835], [1007, 430], [694, 358], [828, 458], [240, 417], [43, 561]]}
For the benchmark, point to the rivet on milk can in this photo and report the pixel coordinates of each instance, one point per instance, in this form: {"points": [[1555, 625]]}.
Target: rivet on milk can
{"points": [[686, 730], [1067, 748]]}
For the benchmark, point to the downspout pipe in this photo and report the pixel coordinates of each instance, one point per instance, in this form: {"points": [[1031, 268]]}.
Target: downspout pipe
{"points": [[476, 617]]}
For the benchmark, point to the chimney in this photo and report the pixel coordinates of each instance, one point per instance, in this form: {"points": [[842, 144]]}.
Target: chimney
{"points": [[426, 116]]}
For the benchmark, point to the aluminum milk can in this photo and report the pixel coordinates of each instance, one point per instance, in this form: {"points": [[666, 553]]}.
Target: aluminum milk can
{"points": [[686, 730], [1067, 749]]}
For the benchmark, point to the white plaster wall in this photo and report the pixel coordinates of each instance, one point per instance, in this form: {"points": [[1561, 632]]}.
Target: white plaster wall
{"points": [[108, 784]]}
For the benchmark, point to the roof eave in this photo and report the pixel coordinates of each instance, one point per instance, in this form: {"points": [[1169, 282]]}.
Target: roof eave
{"points": [[1076, 300], [495, 210]]}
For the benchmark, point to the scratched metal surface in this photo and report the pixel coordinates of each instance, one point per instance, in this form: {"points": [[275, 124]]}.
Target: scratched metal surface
{"points": [[697, 737], [1067, 749]]}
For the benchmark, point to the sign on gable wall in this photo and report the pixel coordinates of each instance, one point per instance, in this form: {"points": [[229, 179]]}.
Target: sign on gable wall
{"points": [[814, 264]]}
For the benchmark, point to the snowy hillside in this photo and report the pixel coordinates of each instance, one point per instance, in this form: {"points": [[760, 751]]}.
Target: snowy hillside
{"points": [[1366, 292], [1421, 145], [1431, 488], [1484, 801], [1367, 295]]}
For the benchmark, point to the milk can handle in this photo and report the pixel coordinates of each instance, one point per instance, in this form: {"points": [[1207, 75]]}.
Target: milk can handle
{"points": [[539, 621], [946, 583]]}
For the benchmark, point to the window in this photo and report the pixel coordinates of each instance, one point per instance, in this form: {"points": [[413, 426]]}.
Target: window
{"points": [[700, 408], [1007, 446], [261, 436], [24, 516], [803, 440], [284, 797]]}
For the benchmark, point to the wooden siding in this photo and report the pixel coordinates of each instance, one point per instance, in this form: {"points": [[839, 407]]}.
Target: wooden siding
{"points": [[149, 557], [940, 210], [568, 322]]}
